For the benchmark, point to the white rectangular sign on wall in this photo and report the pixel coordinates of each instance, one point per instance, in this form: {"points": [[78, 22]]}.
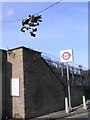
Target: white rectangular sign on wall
{"points": [[15, 87], [66, 55]]}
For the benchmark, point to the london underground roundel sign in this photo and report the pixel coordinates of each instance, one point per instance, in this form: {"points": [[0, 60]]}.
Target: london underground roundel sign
{"points": [[66, 55]]}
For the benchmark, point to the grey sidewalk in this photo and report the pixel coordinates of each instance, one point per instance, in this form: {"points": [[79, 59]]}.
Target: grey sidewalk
{"points": [[62, 114]]}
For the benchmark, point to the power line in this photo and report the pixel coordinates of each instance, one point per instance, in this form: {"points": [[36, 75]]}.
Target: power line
{"points": [[49, 7], [34, 14], [11, 21]]}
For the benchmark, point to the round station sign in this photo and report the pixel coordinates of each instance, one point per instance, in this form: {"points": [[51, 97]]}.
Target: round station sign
{"points": [[66, 55]]}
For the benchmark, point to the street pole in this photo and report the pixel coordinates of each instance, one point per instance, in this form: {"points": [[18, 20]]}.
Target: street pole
{"points": [[67, 56], [68, 82], [62, 70], [84, 103]]}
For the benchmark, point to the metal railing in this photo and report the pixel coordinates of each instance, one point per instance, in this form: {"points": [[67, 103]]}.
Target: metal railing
{"points": [[78, 74]]}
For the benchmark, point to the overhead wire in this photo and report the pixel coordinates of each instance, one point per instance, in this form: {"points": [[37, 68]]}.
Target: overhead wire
{"points": [[16, 20], [49, 7], [34, 14]]}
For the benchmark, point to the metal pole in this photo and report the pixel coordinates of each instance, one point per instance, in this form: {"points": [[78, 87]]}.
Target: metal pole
{"points": [[68, 81], [62, 70], [84, 103], [81, 74], [72, 75], [66, 105]]}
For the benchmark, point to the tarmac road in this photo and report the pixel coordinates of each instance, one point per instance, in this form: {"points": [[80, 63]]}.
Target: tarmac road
{"points": [[83, 116]]}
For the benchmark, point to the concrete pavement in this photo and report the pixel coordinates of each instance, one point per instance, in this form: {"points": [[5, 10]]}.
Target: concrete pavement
{"points": [[61, 114]]}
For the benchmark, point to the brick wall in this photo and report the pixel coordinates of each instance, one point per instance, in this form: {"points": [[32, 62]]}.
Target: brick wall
{"points": [[76, 95], [3, 83], [44, 93], [41, 91], [0, 84], [15, 70]]}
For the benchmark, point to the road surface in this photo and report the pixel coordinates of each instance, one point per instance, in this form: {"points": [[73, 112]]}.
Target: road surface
{"points": [[83, 116]]}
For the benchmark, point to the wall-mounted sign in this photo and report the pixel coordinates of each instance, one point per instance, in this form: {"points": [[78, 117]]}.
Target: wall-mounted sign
{"points": [[15, 87], [66, 55]]}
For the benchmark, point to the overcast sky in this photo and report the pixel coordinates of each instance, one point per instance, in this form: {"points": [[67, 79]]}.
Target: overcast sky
{"points": [[64, 26]]}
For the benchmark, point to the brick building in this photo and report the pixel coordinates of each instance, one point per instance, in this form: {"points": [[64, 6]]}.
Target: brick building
{"points": [[29, 86]]}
